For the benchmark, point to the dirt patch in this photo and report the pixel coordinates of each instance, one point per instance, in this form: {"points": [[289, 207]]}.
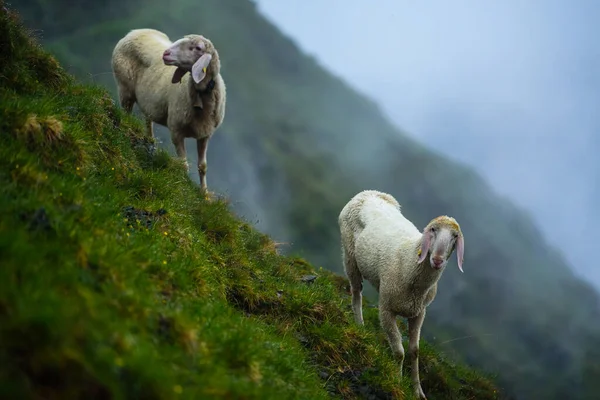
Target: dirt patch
{"points": [[142, 218]]}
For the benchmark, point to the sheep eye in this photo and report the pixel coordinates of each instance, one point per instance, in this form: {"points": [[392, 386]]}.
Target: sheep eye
{"points": [[432, 230]]}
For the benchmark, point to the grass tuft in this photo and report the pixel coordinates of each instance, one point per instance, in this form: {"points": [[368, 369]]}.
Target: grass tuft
{"points": [[42, 132]]}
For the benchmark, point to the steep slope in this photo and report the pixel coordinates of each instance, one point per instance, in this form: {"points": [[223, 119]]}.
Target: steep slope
{"points": [[297, 143], [119, 281]]}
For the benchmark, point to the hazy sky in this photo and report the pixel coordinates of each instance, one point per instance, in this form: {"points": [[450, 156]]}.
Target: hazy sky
{"points": [[510, 87]]}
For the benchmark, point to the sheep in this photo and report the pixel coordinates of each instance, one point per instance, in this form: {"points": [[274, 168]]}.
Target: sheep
{"points": [[191, 106], [380, 245]]}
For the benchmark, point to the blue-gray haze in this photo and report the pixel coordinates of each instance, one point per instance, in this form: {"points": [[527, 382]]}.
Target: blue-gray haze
{"points": [[509, 87]]}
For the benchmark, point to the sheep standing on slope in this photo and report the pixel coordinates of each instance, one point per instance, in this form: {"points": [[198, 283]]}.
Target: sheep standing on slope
{"points": [[380, 245], [191, 106]]}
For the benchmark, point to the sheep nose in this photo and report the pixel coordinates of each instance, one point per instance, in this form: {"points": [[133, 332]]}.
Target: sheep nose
{"points": [[437, 261], [166, 53]]}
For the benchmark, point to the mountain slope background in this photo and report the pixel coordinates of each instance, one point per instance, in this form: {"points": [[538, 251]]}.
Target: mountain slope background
{"points": [[516, 104], [297, 143]]}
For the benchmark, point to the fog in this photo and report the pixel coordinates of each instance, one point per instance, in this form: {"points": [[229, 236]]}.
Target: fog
{"points": [[511, 88]]}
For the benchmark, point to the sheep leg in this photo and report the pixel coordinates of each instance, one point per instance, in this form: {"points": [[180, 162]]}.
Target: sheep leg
{"points": [[390, 327], [355, 278], [126, 102], [414, 335], [202, 166], [179, 143], [149, 128]]}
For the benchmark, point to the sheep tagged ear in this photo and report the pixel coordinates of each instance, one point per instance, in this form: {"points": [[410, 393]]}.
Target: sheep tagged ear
{"points": [[460, 251], [177, 75], [199, 67], [425, 243]]}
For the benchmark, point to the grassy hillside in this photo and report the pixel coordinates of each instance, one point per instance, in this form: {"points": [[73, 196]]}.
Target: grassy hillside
{"points": [[119, 281], [297, 143]]}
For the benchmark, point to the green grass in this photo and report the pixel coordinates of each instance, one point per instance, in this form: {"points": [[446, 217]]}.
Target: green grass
{"points": [[118, 280]]}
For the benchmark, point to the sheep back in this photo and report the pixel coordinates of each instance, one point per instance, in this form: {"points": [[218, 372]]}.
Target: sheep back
{"points": [[378, 236]]}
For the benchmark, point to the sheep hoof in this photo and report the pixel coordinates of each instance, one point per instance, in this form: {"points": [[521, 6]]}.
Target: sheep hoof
{"points": [[207, 195], [419, 394]]}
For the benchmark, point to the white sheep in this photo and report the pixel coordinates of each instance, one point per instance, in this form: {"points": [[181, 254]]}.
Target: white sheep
{"points": [[380, 245], [191, 106]]}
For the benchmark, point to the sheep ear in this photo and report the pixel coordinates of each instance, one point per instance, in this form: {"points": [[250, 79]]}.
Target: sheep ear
{"points": [[425, 243], [460, 251], [177, 75], [199, 67]]}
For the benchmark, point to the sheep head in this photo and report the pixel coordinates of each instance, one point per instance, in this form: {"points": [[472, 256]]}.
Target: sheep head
{"points": [[440, 237], [192, 53]]}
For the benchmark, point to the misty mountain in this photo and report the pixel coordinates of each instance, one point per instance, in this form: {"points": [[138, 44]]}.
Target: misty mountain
{"points": [[510, 88], [298, 142]]}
